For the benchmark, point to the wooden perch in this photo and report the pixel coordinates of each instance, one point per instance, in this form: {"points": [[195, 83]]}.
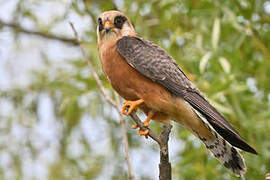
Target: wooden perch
{"points": [[162, 139], [165, 170]]}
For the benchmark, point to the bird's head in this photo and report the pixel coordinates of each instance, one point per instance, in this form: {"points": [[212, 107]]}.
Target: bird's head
{"points": [[113, 25]]}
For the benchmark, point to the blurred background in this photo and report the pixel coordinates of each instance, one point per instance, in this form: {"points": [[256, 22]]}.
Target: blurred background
{"points": [[54, 122]]}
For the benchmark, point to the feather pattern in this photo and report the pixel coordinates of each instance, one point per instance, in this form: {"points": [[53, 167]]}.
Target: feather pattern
{"points": [[222, 149]]}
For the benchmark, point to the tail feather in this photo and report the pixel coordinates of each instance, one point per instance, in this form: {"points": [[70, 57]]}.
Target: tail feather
{"points": [[223, 150]]}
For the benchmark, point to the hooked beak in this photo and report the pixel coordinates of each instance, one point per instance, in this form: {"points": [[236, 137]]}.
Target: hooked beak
{"points": [[108, 26]]}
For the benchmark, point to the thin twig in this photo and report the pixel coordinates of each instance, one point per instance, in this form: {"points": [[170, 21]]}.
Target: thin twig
{"points": [[46, 35], [125, 144], [124, 134]]}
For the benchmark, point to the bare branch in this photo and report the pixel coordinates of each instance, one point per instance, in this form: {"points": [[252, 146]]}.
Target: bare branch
{"points": [[165, 170], [46, 35], [125, 138]]}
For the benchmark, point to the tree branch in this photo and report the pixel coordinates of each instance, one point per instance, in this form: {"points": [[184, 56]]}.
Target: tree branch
{"points": [[165, 170], [162, 139], [46, 35]]}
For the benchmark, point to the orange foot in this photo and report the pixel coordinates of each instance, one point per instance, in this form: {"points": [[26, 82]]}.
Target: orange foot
{"points": [[144, 133], [131, 105], [146, 123]]}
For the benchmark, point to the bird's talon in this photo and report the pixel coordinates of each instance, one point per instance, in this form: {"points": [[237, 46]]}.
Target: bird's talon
{"points": [[134, 126], [132, 109], [144, 133], [129, 106], [123, 110], [146, 123]]}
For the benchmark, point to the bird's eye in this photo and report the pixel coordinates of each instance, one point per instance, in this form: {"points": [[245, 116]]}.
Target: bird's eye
{"points": [[100, 25], [119, 21]]}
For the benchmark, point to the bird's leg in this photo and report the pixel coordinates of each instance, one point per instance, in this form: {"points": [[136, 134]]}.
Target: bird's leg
{"points": [[146, 123], [131, 105]]}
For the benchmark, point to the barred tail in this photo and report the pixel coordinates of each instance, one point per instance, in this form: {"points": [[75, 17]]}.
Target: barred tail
{"points": [[223, 150]]}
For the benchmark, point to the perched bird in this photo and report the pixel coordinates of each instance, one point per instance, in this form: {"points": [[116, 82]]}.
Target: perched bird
{"points": [[149, 79]]}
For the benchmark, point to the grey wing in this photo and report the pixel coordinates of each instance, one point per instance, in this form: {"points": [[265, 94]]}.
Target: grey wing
{"points": [[154, 63]]}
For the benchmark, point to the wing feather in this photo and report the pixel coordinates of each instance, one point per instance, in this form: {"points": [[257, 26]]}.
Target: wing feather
{"points": [[154, 63]]}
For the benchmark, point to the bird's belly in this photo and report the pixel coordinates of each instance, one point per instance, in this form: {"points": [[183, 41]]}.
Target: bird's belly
{"points": [[124, 89], [120, 75], [132, 85]]}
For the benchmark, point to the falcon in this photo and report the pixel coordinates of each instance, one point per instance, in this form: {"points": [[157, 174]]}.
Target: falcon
{"points": [[150, 80]]}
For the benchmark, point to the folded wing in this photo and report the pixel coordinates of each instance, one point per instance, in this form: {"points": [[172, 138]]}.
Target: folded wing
{"points": [[154, 63]]}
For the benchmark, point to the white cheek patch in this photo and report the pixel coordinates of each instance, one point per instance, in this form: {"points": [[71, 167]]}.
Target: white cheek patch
{"points": [[126, 29], [98, 35]]}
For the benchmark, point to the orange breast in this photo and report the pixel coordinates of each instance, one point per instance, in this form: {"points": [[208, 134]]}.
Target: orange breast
{"points": [[129, 83]]}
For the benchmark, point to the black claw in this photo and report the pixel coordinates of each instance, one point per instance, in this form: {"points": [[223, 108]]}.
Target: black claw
{"points": [[127, 108]]}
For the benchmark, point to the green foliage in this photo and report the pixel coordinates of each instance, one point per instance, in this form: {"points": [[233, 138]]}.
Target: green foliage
{"points": [[222, 46]]}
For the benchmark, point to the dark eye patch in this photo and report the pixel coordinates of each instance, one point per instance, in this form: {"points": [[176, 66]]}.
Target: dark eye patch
{"points": [[100, 25], [119, 21]]}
